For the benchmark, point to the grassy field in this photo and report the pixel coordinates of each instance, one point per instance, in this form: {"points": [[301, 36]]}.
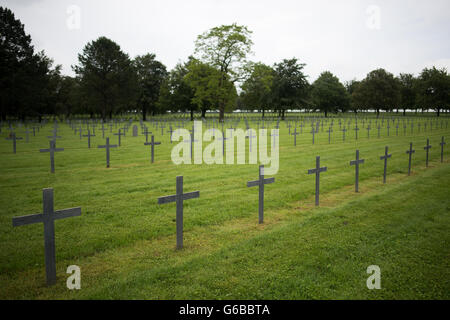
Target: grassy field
{"points": [[124, 242]]}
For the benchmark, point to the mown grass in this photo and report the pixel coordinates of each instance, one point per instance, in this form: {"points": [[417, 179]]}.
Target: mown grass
{"points": [[124, 242]]}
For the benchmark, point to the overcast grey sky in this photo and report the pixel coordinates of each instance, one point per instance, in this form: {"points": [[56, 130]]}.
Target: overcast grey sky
{"points": [[349, 38]]}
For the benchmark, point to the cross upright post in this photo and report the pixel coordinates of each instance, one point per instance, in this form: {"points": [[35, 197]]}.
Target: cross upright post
{"points": [[427, 148], [48, 217], [385, 157], [442, 149], [356, 164], [356, 132], [343, 136], [410, 152], [317, 172], [179, 197], [330, 130], [260, 183]]}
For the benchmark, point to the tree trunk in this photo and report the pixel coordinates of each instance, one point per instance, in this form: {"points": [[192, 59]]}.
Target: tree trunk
{"points": [[221, 111], [204, 113], [263, 111], [378, 113], [438, 112], [144, 114], [404, 112], [282, 114], [192, 114], [326, 113]]}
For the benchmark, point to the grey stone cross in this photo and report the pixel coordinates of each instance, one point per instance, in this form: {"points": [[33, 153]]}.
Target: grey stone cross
{"points": [[330, 130], [14, 139], [54, 136], [48, 217], [356, 132], [250, 139], [385, 157], [356, 164], [179, 197], [261, 182], [89, 135], [107, 146], [119, 134], [343, 136], [313, 134], [442, 149], [152, 144], [295, 134], [317, 171], [410, 152], [52, 151], [103, 130], [427, 148]]}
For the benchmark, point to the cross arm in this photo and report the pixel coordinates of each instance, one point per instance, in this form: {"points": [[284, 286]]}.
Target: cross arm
{"points": [[269, 180], [191, 195], [167, 199], [353, 162], [66, 213], [253, 183], [28, 219]]}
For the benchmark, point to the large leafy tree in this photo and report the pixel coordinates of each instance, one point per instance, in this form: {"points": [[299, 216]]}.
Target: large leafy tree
{"points": [[408, 91], [107, 77], [209, 86], [26, 77], [290, 85], [225, 48], [176, 94], [257, 88], [434, 89], [328, 94], [351, 87], [378, 91], [151, 74]]}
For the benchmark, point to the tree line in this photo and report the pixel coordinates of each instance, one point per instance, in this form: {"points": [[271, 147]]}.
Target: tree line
{"points": [[218, 76]]}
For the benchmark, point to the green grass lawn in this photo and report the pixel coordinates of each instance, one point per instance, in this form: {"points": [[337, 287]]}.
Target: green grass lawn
{"points": [[124, 242]]}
